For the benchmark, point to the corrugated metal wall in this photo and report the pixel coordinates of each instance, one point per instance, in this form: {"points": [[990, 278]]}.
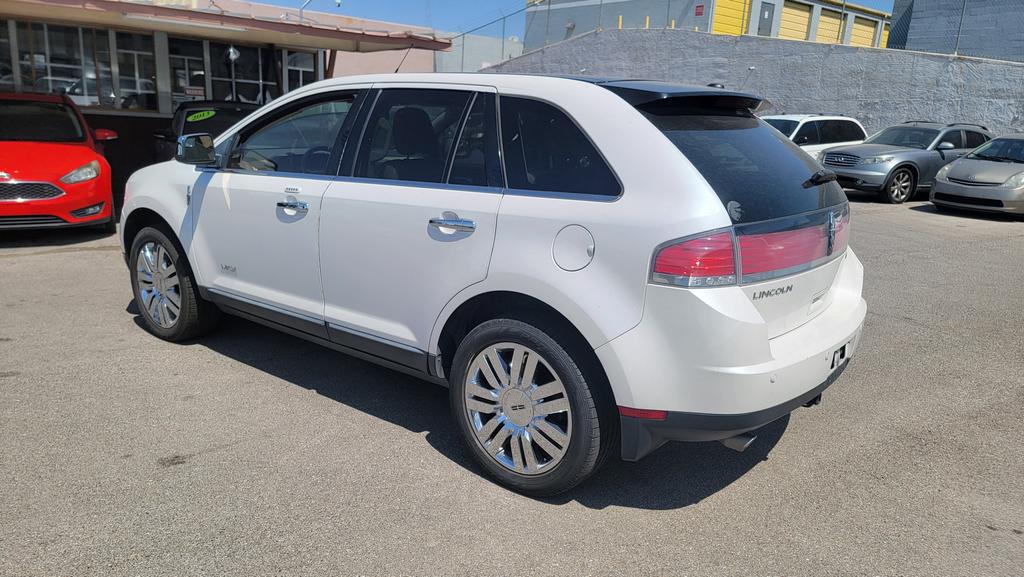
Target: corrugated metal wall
{"points": [[796, 19], [731, 16]]}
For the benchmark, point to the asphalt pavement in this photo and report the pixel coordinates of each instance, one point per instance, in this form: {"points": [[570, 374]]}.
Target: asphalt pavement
{"points": [[252, 453]]}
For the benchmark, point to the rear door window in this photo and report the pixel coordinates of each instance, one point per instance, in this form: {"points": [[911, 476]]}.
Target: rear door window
{"points": [[840, 131], [955, 137], [544, 150], [476, 162], [975, 139], [756, 172], [808, 134]]}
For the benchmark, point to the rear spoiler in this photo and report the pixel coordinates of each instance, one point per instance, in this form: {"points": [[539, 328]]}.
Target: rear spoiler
{"points": [[640, 93]]}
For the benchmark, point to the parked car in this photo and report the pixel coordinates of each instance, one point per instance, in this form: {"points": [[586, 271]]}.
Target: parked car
{"points": [[643, 262], [52, 169], [989, 178], [198, 116], [815, 132], [901, 159]]}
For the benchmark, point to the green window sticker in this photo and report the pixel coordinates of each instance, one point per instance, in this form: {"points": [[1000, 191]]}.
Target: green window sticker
{"points": [[201, 115]]}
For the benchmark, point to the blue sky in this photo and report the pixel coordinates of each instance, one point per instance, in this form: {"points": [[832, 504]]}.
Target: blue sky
{"points": [[447, 15]]}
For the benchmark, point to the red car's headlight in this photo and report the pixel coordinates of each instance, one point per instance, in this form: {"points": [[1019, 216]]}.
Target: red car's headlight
{"points": [[82, 173]]}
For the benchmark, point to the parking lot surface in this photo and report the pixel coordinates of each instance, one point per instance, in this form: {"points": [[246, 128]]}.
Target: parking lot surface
{"points": [[250, 452]]}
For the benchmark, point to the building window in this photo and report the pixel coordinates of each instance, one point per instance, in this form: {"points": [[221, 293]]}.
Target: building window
{"points": [[136, 68], [301, 69], [66, 59], [243, 73], [188, 75], [6, 73]]}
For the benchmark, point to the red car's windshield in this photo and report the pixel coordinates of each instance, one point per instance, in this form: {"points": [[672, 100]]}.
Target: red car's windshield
{"points": [[25, 120]]}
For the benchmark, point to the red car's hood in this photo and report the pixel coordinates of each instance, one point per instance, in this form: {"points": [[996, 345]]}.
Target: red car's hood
{"points": [[46, 161]]}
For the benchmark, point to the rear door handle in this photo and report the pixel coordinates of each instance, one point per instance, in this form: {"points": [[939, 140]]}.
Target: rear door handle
{"points": [[293, 205], [457, 224]]}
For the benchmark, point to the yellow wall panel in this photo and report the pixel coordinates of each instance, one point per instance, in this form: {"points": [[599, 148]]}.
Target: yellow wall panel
{"points": [[730, 16], [796, 19], [885, 37], [863, 33], [829, 27]]}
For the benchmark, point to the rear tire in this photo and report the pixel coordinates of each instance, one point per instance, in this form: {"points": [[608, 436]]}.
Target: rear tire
{"points": [[900, 186], [525, 409], [165, 289]]}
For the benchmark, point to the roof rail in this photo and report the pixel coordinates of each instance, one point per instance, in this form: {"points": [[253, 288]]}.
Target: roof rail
{"points": [[917, 121], [983, 127]]}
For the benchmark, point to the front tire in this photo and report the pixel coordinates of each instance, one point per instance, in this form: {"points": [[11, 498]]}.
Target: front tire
{"points": [[900, 186], [165, 289], [525, 409]]}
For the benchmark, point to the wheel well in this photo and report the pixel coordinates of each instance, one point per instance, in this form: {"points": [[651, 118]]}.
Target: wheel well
{"points": [[139, 219], [912, 168], [503, 304]]}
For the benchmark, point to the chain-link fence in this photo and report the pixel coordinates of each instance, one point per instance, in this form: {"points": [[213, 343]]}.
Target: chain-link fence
{"points": [[982, 28]]}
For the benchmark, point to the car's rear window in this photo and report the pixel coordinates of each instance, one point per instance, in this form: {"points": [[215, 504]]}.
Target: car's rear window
{"points": [[25, 120], [756, 172]]}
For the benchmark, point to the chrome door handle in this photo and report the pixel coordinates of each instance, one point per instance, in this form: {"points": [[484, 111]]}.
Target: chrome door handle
{"points": [[458, 224], [293, 205]]}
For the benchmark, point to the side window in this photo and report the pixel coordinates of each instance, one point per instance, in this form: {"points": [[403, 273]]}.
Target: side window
{"points": [[476, 155], [954, 136], [302, 140], [975, 139], [544, 150], [853, 131], [840, 131], [410, 133], [808, 134]]}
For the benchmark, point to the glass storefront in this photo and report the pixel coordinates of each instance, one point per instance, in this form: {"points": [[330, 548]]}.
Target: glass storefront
{"points": [[119, 69]]}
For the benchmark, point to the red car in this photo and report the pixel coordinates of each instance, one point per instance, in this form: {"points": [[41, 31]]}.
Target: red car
{"points": [[52, 170]]}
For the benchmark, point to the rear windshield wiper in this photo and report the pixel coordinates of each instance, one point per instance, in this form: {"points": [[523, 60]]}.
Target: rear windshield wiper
{"points": [[819, 178]]}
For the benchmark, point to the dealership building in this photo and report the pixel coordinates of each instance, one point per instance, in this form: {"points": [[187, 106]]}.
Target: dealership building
{"points": [[128, 64]]}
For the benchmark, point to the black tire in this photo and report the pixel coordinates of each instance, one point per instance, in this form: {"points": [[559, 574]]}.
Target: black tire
{"points": [[196, 316], [591, 427], [900, 186]]}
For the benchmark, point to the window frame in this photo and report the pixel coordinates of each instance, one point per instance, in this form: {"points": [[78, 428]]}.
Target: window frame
{"points": [[337, 152], [553, 194]]}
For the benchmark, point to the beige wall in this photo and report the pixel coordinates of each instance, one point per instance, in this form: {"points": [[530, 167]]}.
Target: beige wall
{"points": [[348, 63]]}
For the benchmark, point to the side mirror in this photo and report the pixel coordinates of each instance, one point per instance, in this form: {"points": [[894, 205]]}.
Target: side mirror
{"points": [[946, 145], [104, 134], [196, 149]]}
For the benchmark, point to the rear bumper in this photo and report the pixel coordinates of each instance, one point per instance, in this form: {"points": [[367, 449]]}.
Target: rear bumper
{"points": [[709, 360], [642, 436], [985, 198]]}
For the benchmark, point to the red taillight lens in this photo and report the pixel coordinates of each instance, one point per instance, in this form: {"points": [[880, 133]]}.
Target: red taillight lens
{"points": [[769, 255], [703, 261], [649, 414]]}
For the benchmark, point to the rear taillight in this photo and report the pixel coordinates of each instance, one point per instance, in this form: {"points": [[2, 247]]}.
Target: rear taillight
{"points": [[697, 262], [765, 250]]}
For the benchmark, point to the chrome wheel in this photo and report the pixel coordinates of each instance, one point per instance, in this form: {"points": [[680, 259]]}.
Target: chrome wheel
{"points": [[518, 408], [899, 188], [157, 281]]}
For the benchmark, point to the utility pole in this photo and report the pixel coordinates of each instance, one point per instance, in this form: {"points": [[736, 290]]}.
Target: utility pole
{"points": [[956, 47]]}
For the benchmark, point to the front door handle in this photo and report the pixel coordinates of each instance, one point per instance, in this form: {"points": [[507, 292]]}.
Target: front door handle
{"points": [[457, 224], [293, 205]]}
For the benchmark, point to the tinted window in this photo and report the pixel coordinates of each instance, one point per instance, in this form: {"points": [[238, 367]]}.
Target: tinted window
{"points": [[975, 139], [840, 131], [784, 126], [1001, 150], [38, 121], [476, 154], [808, 134], [545, 150], [955, 137], [757, 173], [410, 133], [300, 141], [907, 136]]}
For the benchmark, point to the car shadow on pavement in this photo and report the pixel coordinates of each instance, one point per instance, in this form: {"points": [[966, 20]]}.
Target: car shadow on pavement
{"points": [[49, 237], [969, 214], [677, 475]]}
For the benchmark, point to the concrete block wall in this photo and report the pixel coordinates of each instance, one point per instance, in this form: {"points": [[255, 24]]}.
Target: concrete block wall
{"points": [[878, 87], [990, 28]]}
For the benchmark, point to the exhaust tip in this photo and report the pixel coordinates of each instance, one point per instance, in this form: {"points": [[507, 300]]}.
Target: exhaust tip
{"points": [[740, 442]]}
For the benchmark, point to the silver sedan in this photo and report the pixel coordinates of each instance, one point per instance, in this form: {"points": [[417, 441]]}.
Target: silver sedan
{"points": [[990, 178]]}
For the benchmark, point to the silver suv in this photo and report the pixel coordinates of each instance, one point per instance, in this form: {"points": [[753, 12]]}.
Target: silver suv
{"points": [[899, 160]]}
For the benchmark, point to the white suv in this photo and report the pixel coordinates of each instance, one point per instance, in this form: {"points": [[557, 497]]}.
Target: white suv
{"points": [[815, 132], [591, 266]]}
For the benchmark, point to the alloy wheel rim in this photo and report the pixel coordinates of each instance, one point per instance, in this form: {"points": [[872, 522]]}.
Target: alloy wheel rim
{"points": [[518, 408], [900, 187], [159, 289]]}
